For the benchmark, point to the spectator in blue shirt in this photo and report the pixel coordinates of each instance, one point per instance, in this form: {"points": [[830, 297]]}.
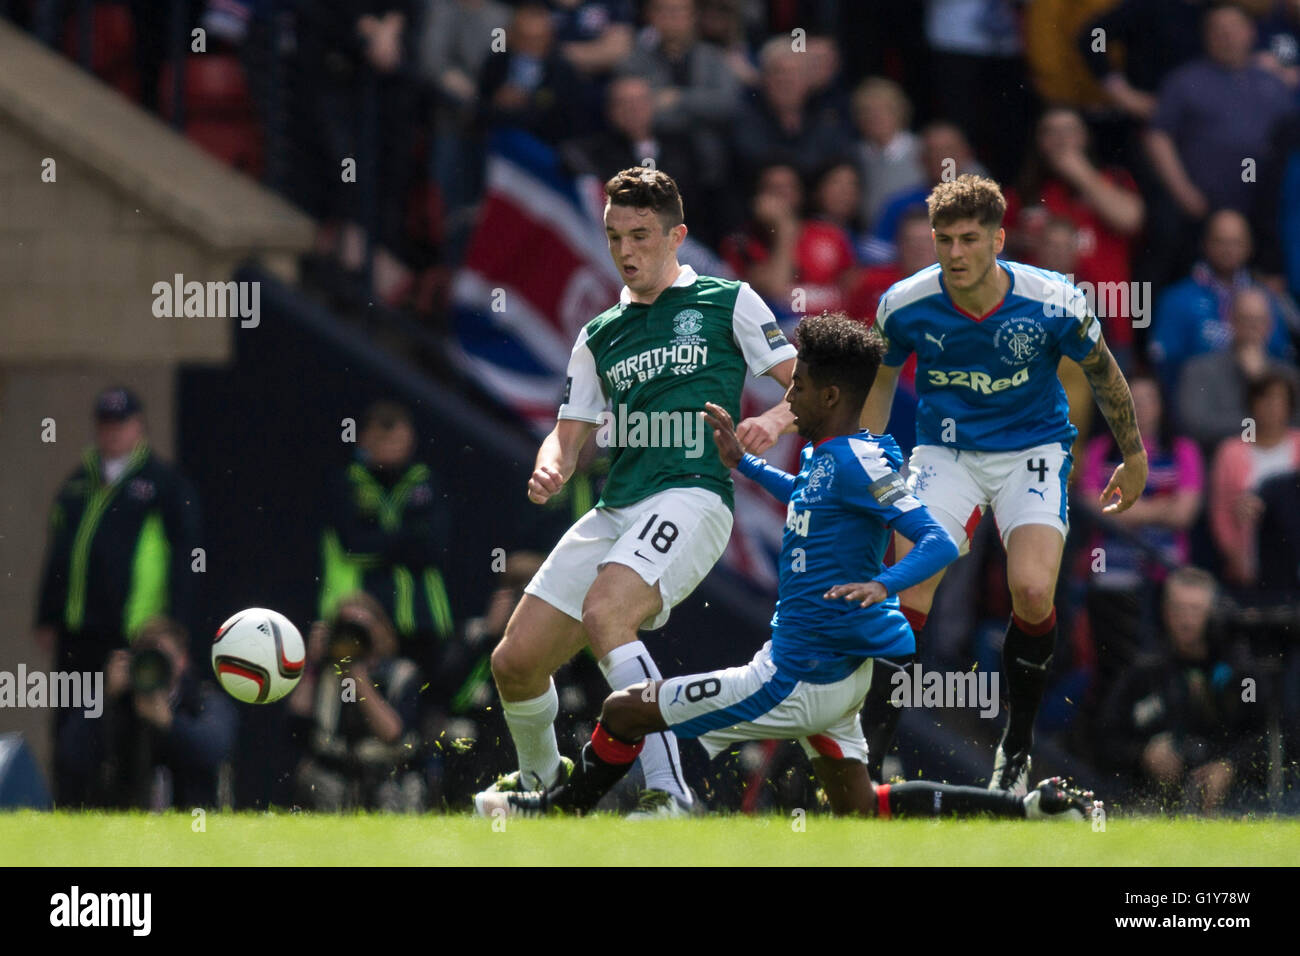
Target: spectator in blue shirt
{"points": [[945, 154], [1194, 316]]}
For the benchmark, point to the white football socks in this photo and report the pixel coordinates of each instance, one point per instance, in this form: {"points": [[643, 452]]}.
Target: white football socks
{"points": [[532, 726], [631, 664]]}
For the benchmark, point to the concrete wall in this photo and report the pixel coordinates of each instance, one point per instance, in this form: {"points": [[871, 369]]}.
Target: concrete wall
{"points": [[130, 204], [33, 469]]}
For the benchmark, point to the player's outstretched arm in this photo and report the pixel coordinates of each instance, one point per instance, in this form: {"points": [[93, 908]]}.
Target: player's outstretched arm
{"points": [[557, 459], [779, 484], [1116, 403], [934, 550], [758, 434], [875, 411]]}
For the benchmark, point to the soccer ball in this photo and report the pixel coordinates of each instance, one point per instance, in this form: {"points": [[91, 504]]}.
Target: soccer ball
{"points": [[258, 655]]}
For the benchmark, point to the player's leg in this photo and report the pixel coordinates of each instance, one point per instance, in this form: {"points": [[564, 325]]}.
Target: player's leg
{"points": [[1052, 799], [942, 479], [1033, 562], [628, 719], [1030, 508], [879, 715], [850, 791], [630, 715], [538, 640], [543, 633], [616, 607], [839, 757], [847, 785], [939, 477], [671, 541], [916, 601], [715, 707]]}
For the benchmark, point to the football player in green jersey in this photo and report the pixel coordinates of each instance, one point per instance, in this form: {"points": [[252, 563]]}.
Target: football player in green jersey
{"points": [[640, 374]]}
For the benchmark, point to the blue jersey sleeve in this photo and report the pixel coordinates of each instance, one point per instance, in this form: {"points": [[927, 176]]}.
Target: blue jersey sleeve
{"points": [[898, 345], [777, 483], [933, 551], [872, 485], [1077, 329]]}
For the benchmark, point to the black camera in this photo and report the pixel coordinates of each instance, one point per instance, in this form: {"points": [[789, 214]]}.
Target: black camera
{"points": [[347, 641], [151, 670]]}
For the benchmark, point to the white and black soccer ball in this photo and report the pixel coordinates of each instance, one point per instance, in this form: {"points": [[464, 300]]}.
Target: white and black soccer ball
{"points": [[258, 655]]}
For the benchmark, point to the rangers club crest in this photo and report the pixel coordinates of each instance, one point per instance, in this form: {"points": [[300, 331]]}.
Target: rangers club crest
{"points": [[1019, 341], [819, 479], [923, 477]]}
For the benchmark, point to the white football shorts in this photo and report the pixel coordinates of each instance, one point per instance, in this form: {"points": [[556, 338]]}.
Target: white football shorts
{"points": [[758, 702], [672, 539], [958, 485]]}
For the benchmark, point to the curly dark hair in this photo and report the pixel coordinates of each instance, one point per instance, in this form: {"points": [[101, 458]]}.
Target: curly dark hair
{"points": [[837, 350], [967, 197], [643, 188]]}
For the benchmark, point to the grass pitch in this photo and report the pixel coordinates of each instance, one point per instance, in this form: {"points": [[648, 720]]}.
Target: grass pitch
{"points": [[301, 839]]}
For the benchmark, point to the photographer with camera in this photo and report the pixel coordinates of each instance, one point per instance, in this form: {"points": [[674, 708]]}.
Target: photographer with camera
{"points": [[163, 736], [386, 530], [463, 721], [356, 714], [1180, 729], [123, 528]]}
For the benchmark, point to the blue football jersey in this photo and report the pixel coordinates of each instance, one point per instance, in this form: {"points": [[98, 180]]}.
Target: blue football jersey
{"points": [[845, 498], [990, 383]]}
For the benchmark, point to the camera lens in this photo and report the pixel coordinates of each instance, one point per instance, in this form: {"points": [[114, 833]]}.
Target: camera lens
{"points": [[151, 670]]}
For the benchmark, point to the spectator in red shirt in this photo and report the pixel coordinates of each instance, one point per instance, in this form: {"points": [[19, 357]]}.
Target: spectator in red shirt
{"points": [[799, 266], [1244, 462], [915, 244], [914, 241], [836, 195], [1058, 251], [1061, 179]]}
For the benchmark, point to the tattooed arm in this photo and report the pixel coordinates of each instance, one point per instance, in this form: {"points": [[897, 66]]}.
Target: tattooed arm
{"points": [[1116, 403]]}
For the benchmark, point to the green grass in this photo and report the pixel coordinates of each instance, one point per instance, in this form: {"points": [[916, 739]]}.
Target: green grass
{"points": [[245, 839]]}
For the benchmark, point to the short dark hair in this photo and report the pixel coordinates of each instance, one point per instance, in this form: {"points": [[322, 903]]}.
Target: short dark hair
{"points": [[967, 197], [1256, 389], [913, 214], [641, 187], [840, 351], [386, 415]]}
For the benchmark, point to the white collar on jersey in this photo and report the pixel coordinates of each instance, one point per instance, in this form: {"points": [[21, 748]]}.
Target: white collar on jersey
{"points": [[685, 276]]}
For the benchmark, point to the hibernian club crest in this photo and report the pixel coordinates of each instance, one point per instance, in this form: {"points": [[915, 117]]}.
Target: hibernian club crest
{"points": [[688, 322]]}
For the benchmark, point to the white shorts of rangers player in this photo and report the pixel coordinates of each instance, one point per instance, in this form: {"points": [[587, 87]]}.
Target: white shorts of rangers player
{"points": [[1022, 487], [760, 702], [672, 539]]}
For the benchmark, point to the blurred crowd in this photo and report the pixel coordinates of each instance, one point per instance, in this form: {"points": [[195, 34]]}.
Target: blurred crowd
{"points": [[395, 709], [1148, 148]]}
